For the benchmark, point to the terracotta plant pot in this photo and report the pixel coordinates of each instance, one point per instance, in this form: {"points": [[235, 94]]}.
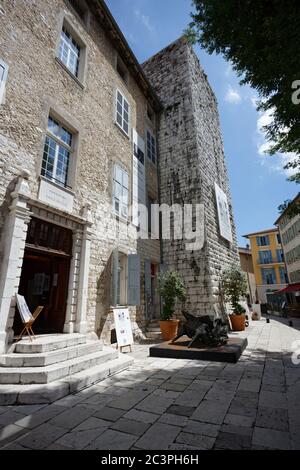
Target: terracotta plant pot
{"points": [[168, 329], [238, 322]]}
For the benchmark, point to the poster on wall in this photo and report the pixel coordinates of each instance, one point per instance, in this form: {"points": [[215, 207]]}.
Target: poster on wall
{"points": [[138, 176], [223, 214], [123, 327]]}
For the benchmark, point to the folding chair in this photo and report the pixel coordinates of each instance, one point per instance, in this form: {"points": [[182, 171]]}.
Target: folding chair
{"points": [[27, 318]]}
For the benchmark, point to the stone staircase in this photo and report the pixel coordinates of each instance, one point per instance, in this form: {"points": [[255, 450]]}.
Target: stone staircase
{"points": [[153, 331], [53, 366]]}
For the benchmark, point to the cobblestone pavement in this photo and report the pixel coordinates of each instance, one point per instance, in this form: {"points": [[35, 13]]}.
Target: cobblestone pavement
{"points": [[177, 404]]}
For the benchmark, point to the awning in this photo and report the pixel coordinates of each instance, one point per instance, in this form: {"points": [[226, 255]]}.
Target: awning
{"points": [[290, 288]]}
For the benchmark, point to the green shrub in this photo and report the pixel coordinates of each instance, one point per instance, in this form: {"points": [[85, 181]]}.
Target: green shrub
{"points": [[171, 288]]}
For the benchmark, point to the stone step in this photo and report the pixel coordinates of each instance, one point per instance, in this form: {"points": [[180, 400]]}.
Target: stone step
{"points": [[46, 343], [48, 393], [52, 357], [153, 335], [42, 375]]}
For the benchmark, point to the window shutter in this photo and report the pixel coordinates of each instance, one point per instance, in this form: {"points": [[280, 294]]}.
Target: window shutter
{"points": [[133, 280], [115, 268], [3, 78], [148, 288]]}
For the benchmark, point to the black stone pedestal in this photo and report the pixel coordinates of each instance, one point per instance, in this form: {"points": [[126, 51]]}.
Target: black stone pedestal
{"points": [[229, 352]]}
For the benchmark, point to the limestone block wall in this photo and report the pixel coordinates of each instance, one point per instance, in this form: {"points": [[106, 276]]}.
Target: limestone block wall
{"points": [[191, 161], [36, 83]]}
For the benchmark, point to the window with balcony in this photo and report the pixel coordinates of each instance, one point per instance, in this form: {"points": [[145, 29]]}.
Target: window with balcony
{"points": [[265, 257], [57, 152], [263, 240], [268, 276], [283, 276], [280, 256]]}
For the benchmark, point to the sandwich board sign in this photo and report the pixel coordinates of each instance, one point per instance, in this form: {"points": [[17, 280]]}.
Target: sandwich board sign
{"points": [[23, 309], [123, 327]]}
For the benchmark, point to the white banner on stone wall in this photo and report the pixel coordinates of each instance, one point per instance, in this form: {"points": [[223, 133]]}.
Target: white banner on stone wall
{"points": [[223, 214], [138, 176]]}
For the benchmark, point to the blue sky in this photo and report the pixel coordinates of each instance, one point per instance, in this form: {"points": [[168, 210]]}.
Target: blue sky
{"points": [[258, 183]]}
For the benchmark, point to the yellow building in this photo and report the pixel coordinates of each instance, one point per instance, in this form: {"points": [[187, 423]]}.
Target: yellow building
{"points": [[268, 263]]}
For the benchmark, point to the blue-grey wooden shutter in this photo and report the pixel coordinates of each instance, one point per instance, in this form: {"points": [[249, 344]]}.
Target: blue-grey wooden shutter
{"points": [[147, 288], [115, 268], [133, 280]]}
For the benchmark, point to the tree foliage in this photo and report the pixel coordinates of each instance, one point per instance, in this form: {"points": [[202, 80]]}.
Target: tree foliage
{"points": [[234, 287], [261, 40], [171, 288]]}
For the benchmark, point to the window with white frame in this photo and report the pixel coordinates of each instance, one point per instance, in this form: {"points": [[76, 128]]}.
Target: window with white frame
{"points": [[3, 77], [69, 51], [57, 152], [120, 191], [122, 112], [151, 146]]}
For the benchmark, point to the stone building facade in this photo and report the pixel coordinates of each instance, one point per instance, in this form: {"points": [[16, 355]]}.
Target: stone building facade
{"points": [[75, 114], [83, 138], [289, 229], [191, 165]]}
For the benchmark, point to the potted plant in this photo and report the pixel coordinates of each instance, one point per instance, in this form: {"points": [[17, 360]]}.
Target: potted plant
{"points": [[171, 288], [234, 287]]}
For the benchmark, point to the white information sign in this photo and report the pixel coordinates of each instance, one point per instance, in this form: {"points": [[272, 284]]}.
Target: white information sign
{"points": [[223, 214], [138, 176], [23, 309], [123, 327]]}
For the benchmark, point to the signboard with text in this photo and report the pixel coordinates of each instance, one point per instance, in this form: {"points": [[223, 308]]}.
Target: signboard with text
{"points": [[123, 327]]}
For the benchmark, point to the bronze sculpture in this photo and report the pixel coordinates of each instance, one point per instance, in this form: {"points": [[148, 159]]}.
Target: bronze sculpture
{"points": [[205, 331]]}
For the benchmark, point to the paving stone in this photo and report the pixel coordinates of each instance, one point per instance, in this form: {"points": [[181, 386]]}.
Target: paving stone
{"points": [[41, 416], [83, 434], [155, 404], [201, 385], [210, 412], [109, 414], [55, 446], [239, 406], [239, 420], [70, 418], [234, 429], [272, 400], [206, 429], [166, 393], [201, 442], [251, 385], [232, 441], [178, 446], [41, 437], [179, 379], [181, 410], [271, 438], [136, 428], [14, 446], [175, 420], [158, 437], [190, 398], [272, 418], [112, 440], [128, 400], [142, 416], [174, 387], [10, 432], [10, 417]]}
